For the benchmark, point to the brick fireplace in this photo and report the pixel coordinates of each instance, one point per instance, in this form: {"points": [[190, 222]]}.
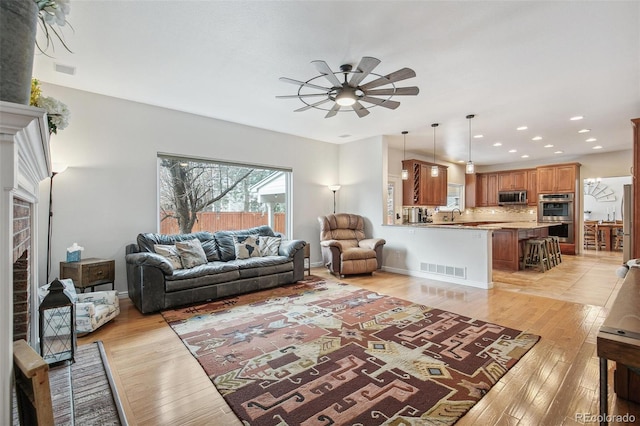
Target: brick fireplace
{"points": [[21, 270], [24, 163]]}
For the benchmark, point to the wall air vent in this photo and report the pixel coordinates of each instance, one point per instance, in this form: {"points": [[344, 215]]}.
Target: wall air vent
{"points": [[452, 271]]}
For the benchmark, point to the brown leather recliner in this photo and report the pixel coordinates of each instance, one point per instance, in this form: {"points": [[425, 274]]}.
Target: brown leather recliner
{"points": [[345, 249]]}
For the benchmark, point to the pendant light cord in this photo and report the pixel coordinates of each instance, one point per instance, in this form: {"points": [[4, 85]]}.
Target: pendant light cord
{"points": [[469, 117]]}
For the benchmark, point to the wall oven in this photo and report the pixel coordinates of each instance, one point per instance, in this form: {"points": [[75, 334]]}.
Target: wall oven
{"points": [[558, 208]]}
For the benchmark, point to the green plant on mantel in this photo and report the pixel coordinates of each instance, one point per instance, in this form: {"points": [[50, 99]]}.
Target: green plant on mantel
{"points": [[52, 15], [57, 112]]}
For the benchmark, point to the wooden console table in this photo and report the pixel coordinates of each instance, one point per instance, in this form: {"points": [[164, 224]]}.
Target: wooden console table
{"points": [[619, 336]]}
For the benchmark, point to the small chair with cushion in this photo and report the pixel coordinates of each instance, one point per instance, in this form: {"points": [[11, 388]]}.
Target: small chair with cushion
{"points": [[345, 249], [93, 309]]}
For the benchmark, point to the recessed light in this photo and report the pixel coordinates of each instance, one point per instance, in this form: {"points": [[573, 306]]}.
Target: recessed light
{"points": [[461, 161], [548, 145], [591, 140], [497, 144], [513, 150], [524, 156], [344, 136], [576, 118], [559, 152], [536, 138], [584, 130], [597, 147], [478, 136], [522, 128]]}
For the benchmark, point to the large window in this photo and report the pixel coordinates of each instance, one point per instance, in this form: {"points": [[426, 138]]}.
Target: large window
{"points": [[206, 195]]}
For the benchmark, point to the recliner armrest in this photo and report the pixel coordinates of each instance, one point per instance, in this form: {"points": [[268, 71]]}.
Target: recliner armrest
{"points": [[150, 259], [371, 243], [331, 243]]}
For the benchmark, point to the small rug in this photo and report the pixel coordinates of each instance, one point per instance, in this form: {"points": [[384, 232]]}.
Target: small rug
{"points": [[94, 399], [327, 353]]}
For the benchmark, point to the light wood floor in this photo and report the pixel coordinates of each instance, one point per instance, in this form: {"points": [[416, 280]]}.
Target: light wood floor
{"points": [[160, 383]]}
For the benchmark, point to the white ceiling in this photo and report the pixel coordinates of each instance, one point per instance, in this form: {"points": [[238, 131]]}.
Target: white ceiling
{"points": [[533, 63]]}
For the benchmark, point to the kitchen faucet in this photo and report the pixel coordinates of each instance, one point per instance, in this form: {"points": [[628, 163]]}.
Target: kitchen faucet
{"points": [[454, 211]]}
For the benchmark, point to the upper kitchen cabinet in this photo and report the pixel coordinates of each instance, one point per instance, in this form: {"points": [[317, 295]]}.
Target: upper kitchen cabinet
{"points": [[532, 187], [487, 190], [560, 178], [422, 189], [515, 180]]}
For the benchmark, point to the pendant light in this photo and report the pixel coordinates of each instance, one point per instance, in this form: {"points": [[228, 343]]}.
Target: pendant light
{"points": [[405, 172], [435, 170], [470, 167]]}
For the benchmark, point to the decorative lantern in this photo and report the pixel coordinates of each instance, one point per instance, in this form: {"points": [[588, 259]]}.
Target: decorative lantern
{"points": [[57, 325]]}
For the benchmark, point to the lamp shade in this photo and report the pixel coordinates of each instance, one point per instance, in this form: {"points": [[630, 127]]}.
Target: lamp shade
{"points": [[57, 325], [334, 188]]}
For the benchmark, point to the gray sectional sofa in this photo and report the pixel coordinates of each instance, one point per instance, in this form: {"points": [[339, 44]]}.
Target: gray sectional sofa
{"points": [[155, 284]]}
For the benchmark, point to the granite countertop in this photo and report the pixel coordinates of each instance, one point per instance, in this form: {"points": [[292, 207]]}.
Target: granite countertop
{"points": [[483, 225]]}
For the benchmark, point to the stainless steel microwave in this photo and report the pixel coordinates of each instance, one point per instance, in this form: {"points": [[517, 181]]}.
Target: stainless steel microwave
{"points": [[512, 197]]}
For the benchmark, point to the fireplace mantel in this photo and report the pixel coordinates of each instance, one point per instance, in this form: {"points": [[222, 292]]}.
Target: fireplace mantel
{"points": [[24, 162]]}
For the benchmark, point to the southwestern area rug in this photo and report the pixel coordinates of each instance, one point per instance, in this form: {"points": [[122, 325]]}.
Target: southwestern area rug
{"points": [[327, 353]]}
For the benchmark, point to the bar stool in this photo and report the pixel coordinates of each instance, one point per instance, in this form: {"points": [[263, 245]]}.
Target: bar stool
{"points": [[536, 255], [556, 248]]}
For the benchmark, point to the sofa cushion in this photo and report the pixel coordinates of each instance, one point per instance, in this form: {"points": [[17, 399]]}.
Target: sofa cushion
{"points": [[146, 241], [226, 246], [210, 248], [169, 252], [191, 253], [260, 266], [202, 275], [246, 246], [269, 245]]}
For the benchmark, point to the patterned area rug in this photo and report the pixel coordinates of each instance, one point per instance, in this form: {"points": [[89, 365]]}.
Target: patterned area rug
{"points": [[325, 353]]}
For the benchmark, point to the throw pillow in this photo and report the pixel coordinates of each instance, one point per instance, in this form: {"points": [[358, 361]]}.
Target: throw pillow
{"points": [[246, 246], [170, 253], [191, 253], [269, 245]]}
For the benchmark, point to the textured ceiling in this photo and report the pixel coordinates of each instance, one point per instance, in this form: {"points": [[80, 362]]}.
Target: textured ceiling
{"points": [[516, 63]]}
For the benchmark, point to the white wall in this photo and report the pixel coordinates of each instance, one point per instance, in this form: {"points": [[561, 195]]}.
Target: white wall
{"points": [[109, 192]]}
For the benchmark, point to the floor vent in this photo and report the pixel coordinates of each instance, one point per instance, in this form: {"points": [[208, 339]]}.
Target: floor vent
{"points": [[452, 271]]}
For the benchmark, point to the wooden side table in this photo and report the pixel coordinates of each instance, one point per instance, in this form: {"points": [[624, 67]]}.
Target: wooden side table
{"points": [[307, 258], [89, 272]]}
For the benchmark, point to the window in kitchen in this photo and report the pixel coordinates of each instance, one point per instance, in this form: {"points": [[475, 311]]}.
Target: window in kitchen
{"points": [[455, 193], [198, 194]]}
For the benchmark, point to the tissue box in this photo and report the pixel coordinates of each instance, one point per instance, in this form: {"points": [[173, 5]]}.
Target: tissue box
{"points": [[73, 256]]}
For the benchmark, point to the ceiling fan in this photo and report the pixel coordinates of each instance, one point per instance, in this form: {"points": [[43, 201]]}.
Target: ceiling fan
{"points": [[351, 92]]}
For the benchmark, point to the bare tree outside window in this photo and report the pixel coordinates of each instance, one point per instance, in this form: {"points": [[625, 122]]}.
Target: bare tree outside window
{"points": [[201, 195]]}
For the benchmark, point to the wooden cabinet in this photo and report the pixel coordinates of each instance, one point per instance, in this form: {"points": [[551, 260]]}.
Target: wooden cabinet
{"points": [[557, 179], [470, 190], [532, 187], [515, 180], [422, 189], [487, 190]]}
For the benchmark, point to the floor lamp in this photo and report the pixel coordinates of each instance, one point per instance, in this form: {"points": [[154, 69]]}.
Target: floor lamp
{"points": [[334, 188], [56, 169]]}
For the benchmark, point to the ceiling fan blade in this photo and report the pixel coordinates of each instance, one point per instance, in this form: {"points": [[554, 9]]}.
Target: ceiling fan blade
{"points": [[382, 102], [310, 95], [366, 65], [399, 75], [398, 91], [304, 83], [333, 111], [360, 110], [306, 107], [324, 69]]}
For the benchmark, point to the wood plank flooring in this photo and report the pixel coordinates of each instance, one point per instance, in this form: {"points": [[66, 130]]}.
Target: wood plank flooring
{"points": [[556, 383]]}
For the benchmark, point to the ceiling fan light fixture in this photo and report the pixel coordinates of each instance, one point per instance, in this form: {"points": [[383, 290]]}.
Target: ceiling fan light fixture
{"points": [[470, 169], [345, 98]]}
